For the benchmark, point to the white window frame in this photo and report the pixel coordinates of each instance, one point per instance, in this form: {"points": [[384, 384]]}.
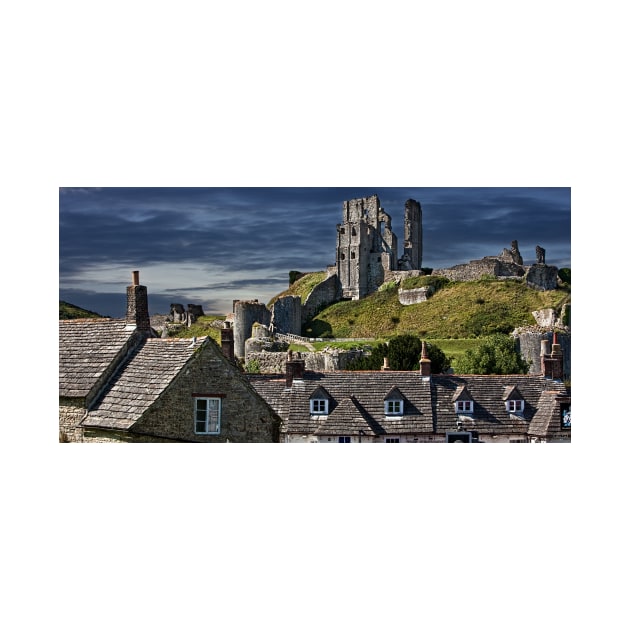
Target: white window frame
{"points": [[515, 406], [319, 407], [393, 407], [344, 439], [207, 415], [464, 406], [392, 439]]}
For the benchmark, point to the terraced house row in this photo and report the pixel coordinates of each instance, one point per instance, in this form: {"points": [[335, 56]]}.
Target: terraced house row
{"points": [[120, 382]]}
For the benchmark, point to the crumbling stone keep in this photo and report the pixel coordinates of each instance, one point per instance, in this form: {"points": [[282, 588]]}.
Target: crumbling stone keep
{"points": [[367, 247]]}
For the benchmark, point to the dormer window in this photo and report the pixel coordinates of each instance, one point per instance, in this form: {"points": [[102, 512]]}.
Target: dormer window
{"points": [[464, 406], [515, 406], [394, 403], [393, 407], [463, 401], [319, 407], [513, 399], [320, 402]]}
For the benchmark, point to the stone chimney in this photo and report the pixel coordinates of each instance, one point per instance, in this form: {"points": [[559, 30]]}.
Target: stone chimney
{"points": [[552, 364], [227, 340], [385, 367], [425, 362], [294, 369], [137, 304]]}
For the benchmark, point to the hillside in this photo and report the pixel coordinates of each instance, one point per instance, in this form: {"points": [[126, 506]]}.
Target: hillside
{"points": [[458, 310], [70, 311]]}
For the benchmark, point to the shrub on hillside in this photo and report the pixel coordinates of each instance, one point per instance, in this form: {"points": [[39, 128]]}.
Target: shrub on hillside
{"points": [[403, 352], [498, 354]]}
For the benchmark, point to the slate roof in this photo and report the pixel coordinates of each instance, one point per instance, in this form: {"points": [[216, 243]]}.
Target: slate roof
{"points": [[487, 393], [87, 350], [357, 402], [148, 372]]}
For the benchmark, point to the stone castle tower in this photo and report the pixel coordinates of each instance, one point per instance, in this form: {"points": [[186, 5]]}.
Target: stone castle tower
{"points": [[367, 247]]}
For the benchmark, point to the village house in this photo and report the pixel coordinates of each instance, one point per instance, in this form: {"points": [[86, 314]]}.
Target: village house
{"points": [[420, 407], [120, 382]]}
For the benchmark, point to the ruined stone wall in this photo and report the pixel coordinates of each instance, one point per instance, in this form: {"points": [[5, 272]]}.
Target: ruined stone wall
{"points": [[529, 347], [286, 315], [246, 313], [542, 277], [414, 296], [476, 269], [323, 294], [412, 249], [366, 247], [275, 362]]}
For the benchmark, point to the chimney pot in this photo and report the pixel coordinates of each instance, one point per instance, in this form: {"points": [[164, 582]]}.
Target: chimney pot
{"points": [[135, 278]]}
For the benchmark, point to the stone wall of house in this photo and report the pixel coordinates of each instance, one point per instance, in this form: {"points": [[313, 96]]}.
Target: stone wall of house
{"points": [[71, 412], [245, 417], [102, 436]]}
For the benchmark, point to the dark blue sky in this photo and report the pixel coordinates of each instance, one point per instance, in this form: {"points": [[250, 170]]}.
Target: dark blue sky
{"points": [[210, 246]]}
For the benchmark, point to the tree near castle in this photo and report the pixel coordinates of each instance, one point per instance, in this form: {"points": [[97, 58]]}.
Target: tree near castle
{"points": [[403, 353], [497, 354]]}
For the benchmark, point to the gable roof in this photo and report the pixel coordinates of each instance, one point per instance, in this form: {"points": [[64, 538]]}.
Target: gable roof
{"points": [[150, 370], [89, 350], [348, 418]]}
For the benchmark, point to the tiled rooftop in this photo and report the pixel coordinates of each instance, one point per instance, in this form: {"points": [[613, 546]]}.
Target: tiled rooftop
{"points": [[87, 348], [146, 375], [357, 402]]}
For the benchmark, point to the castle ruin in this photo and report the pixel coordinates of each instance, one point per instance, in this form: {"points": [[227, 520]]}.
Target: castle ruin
{"points": [[367, 248]]}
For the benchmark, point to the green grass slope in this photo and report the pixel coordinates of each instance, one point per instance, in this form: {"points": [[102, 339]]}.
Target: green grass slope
{"points": [[303, 286], [458, 310], [70, 311]]}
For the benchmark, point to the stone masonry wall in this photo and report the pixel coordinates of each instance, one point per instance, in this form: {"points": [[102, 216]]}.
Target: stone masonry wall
{"points": [[476, 269], [246, 313], [286, 315], [323, 294], [543, 277], [529, 346], [245, 417], [275, 362], [71, 412], [414, 296]]}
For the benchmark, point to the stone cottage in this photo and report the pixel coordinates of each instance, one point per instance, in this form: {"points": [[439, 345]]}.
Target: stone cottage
{"points": [[119, 382]]}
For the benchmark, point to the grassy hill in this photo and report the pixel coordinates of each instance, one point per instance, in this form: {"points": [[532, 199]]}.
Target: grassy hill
{"points": [[70, 311], [459, 310]]}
